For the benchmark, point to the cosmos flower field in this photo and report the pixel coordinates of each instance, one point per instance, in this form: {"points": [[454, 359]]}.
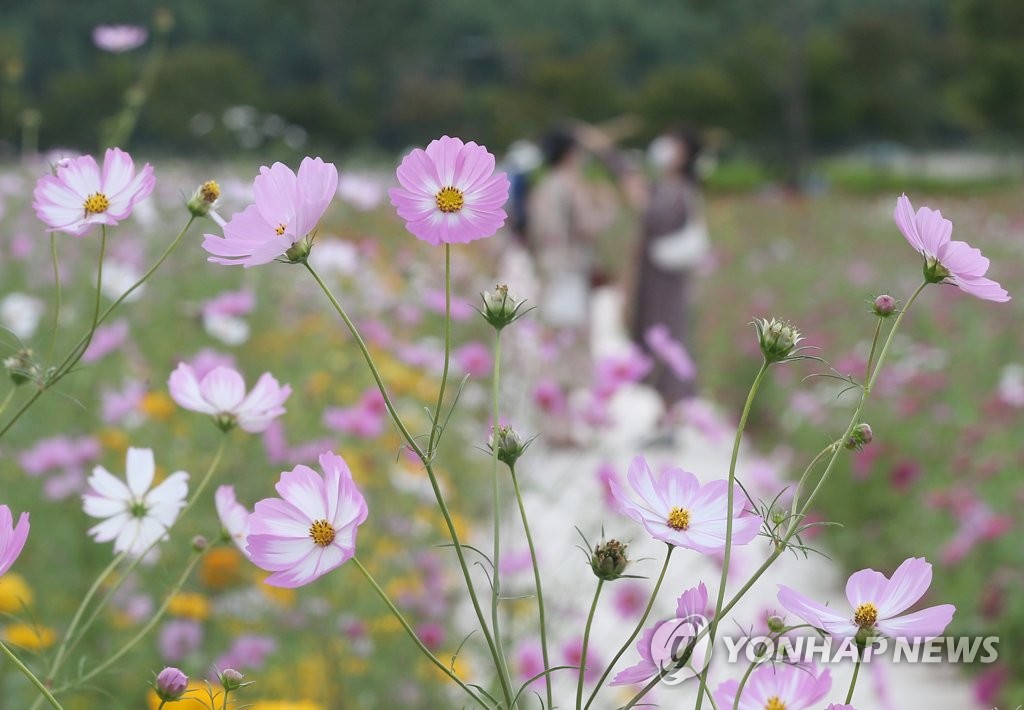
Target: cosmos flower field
{"points": [[935, 479]]}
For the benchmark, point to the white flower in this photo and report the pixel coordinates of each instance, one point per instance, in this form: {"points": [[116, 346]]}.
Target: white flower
{"points": [[136, 516], [118, 277], [234, 516], [20, 314]]}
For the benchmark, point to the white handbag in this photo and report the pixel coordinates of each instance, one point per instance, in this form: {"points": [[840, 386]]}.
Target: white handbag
{"points": [[682, 249]]}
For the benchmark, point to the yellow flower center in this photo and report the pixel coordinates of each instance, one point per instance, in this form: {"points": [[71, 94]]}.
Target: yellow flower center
{"points": [[280, 229], [774, 704], [865, 615], [678, 519], [322, 533], [209, 191], [96, 203], [449, 199]]}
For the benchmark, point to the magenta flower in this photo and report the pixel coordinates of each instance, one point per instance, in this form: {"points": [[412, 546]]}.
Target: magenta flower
{"points": [[450, 193], [777, 687], [878, 603], [12, 537], [675, 508], [945, 260], [287, 209], [221, 393], [311, 529], [659, 642], [234, 517], [119, 38], [80, 195], [833, 706], [670, 351]]}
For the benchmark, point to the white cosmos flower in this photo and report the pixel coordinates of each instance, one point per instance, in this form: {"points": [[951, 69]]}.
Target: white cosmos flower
{"points": [[135, 515]]}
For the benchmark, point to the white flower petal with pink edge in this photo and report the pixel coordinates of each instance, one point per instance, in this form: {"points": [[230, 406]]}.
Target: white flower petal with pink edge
{"points": [[221, 393]]}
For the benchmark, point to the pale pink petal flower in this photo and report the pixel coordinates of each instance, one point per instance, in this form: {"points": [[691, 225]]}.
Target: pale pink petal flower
{"points": [[675, 508], [794, 687], [311, 529], [946, 260], [119, 38], [450, 193], [234, 517], [12, 537], [221, 394], [878, 604], [80, 195], [690, 608], [670, 351], [288, 207]]}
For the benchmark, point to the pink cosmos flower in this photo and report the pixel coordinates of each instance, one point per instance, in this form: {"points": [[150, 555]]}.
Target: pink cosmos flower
{"points": [[221, 393], [450, 193], [12, 537], [119, 38], [613, 371], [675, 508], [792, 687], [106, 340], [311, 529], [946, 261], [878, 603], [234, 517], [366, 419], [658, 643], [670, 351], [833, 706], [80, 194], [287, 209], [474, 359]]}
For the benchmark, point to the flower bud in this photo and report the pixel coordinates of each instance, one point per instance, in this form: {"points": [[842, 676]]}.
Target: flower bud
{"points": [[884, 306], [231, 680], [500, 306], [21, 367], [776, 338], [298, 251], [170, 684], [204, 198], [776, 623], [199, 543], [609, 560], [509, 444], [860, 437]]}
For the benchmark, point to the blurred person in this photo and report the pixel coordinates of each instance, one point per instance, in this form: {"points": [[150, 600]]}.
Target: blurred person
{"points": [[673, 242], [565, 214]]}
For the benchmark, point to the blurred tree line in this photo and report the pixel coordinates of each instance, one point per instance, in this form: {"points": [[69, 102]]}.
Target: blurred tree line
{"points": [[781, 80]]}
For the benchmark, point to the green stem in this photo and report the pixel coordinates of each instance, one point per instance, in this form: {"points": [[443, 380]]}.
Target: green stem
{"points": [[111, 660], [586, 641], [731, 493], [7, 398], [435, 435], [853, 681], [43, 690], [161, 705], [496, 489], [874, 345], [636, 631], [806, 474], [64, 647], [412, 634], [78, 351], [537, 584], [57, 287], [422, 456]]}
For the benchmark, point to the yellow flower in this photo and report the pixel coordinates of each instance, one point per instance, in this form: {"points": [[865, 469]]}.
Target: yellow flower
{"points": [[354, 666], [190, 606], [318, 383], [15, 594], [32, 638], [385, 625], [114, 440], [158, 405], [220, 567], [286, 705]]}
